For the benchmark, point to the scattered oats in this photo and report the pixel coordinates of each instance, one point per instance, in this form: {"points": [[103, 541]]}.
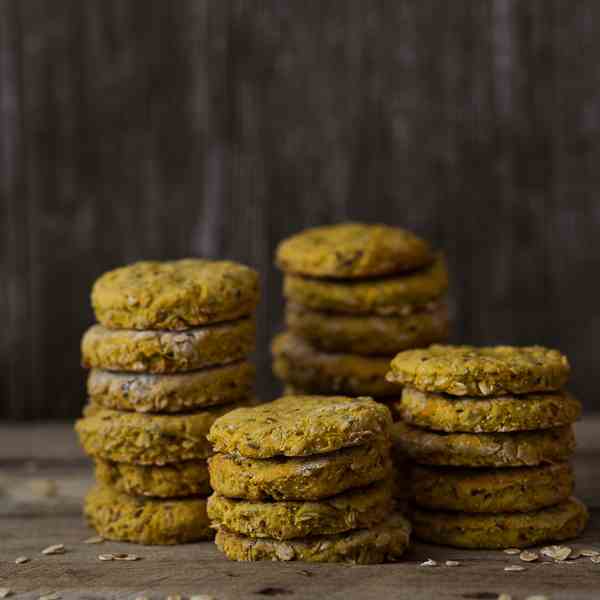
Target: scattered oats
{"points": [[52, 596], [589, 552], [175, 597], [429, 563], [106, 557], [55, 549], [43, 488], [142, 598], [504, 597], [537, 597], [512, 551], [5, 592], [452, 563], [20, 560], [202, 597], [595, 559], [528, 556], [305, 573], [97, 539], [558, 553], [122, 556], [514, 568]]}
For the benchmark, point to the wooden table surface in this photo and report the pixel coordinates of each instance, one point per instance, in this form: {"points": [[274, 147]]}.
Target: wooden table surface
{"points": [[43, 476]]}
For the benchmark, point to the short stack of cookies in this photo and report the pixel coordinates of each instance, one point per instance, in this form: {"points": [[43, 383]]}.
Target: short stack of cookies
{"points": [[490, 431], [167, 358], [306, 478], [356, 295]]}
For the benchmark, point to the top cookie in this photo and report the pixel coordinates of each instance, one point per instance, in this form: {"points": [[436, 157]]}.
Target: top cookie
{"points": [[484, 371], [301, 426], [174, 295], [352, 250]]}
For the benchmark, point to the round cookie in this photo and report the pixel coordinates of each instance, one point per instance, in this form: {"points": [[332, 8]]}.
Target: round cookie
{"points": [[563, 521], [368, 334], [517, 449], [296, 362], [145, 439], [125, 518], [302, 478], [301, 426], [520, 489], [174, 295], [488, 415], [398, 295], [177, 480], [385, 542], [352, 250], [180, 392], [481, 371], [356, 509], [167, 351]]}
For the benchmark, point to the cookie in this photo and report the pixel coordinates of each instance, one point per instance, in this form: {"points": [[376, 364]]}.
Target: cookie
{"points": [[188, 478], [356, 509], [517, 449], [181, 392], [492, 414], [167, 351], [145, 439], [301, 426], [366, 334], [557, 523], [174, 295], [520, 489], [126, 518], [303, 478], [482, 371], [385, 542], [298, 363], [352, 250], [398, 295]]}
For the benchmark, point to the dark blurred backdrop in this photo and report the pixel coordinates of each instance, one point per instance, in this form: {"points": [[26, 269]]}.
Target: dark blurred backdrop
{"points": [[161, 129]]}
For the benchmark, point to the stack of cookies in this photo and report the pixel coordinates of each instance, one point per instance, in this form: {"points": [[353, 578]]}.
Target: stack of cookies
{"points": [[491, 432], [356, 295], [306, 478], [167, 358]]}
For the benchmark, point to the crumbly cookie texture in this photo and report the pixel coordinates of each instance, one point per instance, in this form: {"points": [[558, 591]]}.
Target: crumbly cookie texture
{"points": [[285, 520], [174, 295], [168, 351], [177, 480], [488, 415], [385, 542], [300, 478], [352, 250], [146, 439], [368, 334], [398, 295], [301, 426], [519, 489], [481, 371], [298, 363], [126, 518], [517, 449], [180, 392], [557, 523]]}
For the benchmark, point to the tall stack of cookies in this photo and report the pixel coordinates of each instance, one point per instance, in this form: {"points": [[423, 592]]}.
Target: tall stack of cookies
{"points": [[490, 431], [306, 478], [356, 295], [167, 358]]}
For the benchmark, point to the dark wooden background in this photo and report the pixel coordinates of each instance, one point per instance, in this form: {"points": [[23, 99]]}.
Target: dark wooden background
{"points": [[137, 129]]}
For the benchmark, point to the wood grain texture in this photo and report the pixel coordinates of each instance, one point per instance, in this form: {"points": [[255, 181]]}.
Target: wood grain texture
{"points": [[147, 129]]}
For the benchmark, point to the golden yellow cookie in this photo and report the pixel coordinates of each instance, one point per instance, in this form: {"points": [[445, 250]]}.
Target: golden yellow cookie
{"points": [[174, 295], [395, 295], [125, 518], [385, 542], [557, 523], [368, 334], [301, 426], [300, 478], [180, 392], [298, 363], [481, 371], [352, 250]]}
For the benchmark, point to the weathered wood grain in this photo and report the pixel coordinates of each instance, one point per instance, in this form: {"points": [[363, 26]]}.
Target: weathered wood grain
{"points": [[147, 129]]}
